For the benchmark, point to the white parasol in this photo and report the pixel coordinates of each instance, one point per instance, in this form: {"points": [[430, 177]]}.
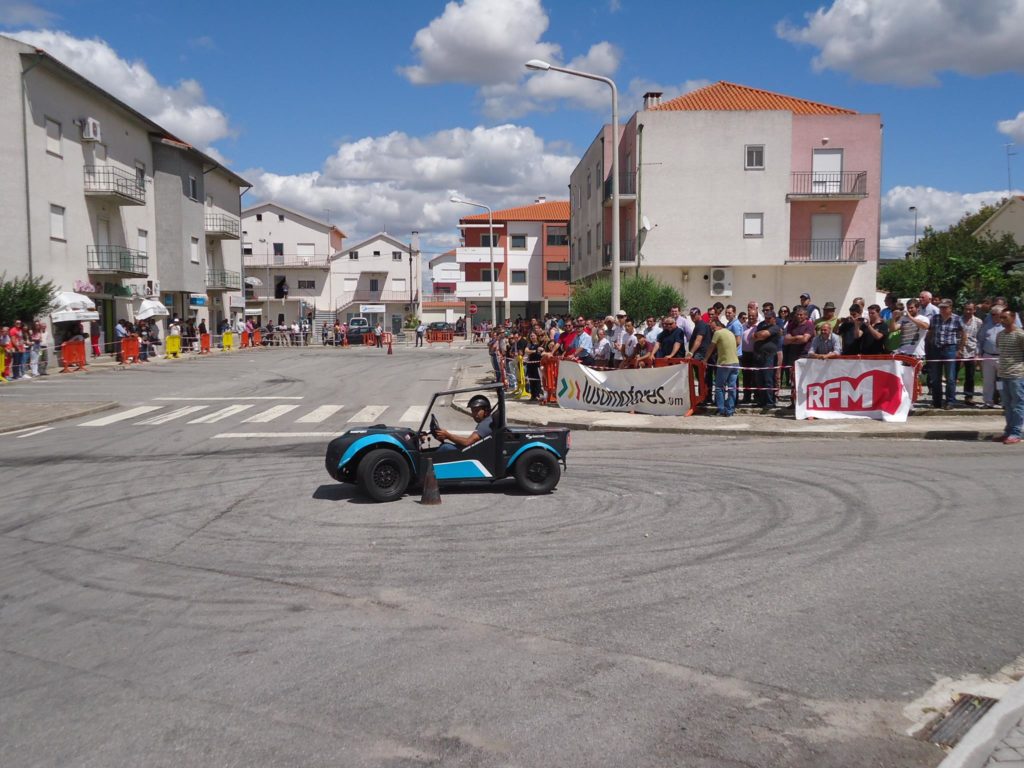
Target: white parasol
{"points": [[69, 307], [253, 282], [151, 308]]}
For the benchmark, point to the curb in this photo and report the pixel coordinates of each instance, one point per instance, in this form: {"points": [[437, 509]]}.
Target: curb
{"points": [[89, 411], [975, 749]]}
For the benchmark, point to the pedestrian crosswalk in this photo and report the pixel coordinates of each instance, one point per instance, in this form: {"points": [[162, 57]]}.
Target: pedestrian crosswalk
{"points": [[336, 416]]}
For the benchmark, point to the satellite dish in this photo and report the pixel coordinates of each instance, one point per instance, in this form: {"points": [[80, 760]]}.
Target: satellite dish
{"points": [[645, 224]]}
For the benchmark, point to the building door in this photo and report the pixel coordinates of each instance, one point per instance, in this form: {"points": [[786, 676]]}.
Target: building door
{"points": [[826, 236], [828, 172]]}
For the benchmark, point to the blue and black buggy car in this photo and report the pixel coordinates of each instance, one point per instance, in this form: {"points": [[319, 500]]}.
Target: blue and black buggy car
{"points": [[385, 461]]}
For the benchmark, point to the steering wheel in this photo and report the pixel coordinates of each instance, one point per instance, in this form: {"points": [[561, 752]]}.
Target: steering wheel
{"points": [[435, 425]]}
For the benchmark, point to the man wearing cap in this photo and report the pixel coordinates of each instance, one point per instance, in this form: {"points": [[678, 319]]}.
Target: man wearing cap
{"points": [[946, 340], [813, 314]]}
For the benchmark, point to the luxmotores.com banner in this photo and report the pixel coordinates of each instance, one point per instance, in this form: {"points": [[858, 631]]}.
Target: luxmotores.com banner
{"points": [[658, 391], [853, 389]]}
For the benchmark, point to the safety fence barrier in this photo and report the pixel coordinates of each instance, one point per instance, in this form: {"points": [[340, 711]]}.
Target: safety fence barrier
{"points": [[369, 340], [204, 344], [172, 347], [549, 378], [440, 337], [3, 366], [130, 350], [72, 353], [257, 338], [228, 341]]}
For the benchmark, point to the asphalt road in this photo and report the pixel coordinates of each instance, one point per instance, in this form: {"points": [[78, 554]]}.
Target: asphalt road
{"points": [[181, 594]]}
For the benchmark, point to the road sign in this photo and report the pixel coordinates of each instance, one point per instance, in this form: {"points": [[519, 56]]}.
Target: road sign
{"points": [[472, 309]]}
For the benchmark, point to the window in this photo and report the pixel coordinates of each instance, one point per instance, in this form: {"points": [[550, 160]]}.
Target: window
{"points": [[307, 285], [140, 175], [588, 185], [396, 255], [143, 240], [353, 255], [279, 253], [485, 276], [598, 242], [259, 217], [280, 217], [754, 157], [376, 253], [558, 235], [193, 188], [485, 241], [517, 242], [53, 145], [518, 277], [247, 249], [57, 222], [558, 270], [398, 285], [589, 244], [753, 225], [374, 284], [193, 250]]}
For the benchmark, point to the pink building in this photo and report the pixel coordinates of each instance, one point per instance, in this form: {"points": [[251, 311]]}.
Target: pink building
{"points": [[733, 193]]}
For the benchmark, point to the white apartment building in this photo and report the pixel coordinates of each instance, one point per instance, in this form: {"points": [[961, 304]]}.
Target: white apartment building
{"points": [[105, 202], [287, 258], [378, 279]]}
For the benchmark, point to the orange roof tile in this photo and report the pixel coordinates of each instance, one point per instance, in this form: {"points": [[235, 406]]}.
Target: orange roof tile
{"points": [[725, 97], [552, 210]]}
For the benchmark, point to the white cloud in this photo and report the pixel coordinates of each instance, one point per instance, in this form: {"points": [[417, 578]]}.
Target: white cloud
{"points": [[634, 97], [24, 14], [181, 109], [909, 43], [399, 182], [936, 208], [1014, 128], [480, 41]]}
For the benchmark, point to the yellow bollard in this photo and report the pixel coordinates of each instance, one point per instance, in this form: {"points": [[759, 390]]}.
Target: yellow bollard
{"points": [[522, 391], [3, 365], [173, 346], [228, 340]]}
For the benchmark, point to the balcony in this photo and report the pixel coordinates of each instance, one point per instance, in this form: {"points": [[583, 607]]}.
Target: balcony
{"points": [[627, 253], [117, 261], [479, 255], [288, 260], [221, 226], [441, 300], [478, 289], [627, 188], [115, 185], [826, 252], [828, 186], [363, 296], [223, 280]]}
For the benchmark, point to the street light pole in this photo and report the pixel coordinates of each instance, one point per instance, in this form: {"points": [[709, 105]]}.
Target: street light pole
{"points": [[490, 244], [914, 209], [266, 254], [544, 66]]}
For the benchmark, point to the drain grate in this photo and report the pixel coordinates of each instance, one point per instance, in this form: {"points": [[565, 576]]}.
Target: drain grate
{"points": [[967, 710]]}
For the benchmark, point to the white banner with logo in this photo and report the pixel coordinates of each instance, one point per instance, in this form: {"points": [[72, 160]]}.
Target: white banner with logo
{"points": [[657, 391], [838, 388]]}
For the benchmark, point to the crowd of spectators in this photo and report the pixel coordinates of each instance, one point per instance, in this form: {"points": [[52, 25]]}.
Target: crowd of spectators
{"points": [[750, 354]]}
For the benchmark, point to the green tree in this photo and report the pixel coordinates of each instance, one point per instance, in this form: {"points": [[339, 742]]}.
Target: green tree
{"points": [[956, 264], [24, 298], [641, 295]]}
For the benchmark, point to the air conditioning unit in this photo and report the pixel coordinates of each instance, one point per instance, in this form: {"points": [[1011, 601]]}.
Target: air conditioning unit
{"points": [[91, 130], [305, 261], [721, 281]]}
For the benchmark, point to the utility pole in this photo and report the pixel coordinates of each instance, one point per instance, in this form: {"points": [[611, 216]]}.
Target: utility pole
{"points": [[1009, 176]]}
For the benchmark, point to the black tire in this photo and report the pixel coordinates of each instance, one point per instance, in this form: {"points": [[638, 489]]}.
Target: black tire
{"points": [[383, 474], [537, 471]]}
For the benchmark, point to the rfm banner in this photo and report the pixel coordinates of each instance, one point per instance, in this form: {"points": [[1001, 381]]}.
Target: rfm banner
{"points": [[658, 391], [838, 388]]}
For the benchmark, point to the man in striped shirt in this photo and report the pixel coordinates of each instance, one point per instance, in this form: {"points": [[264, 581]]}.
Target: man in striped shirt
{"points": [[1011, 372]]}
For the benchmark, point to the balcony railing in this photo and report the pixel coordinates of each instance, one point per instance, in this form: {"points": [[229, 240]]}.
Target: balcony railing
{"points": [[262, 260], [223, 279], [116, 260], [826, 251], [627, 185], [479, 289], [479, 255], [446, 299], [115, 184], [627, 252], [221, 225], [816, 185]]}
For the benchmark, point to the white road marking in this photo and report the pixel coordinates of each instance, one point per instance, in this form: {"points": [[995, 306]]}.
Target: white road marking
{"points": [[319, 414], [270, 414], [414, 413], [10, 433], [131, 413], [223, 413], [232, 399], [163, 418], [369, 413], [35, 432], [266, 435]]}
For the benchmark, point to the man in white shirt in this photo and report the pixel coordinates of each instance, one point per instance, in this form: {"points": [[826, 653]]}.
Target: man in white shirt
{"points": [[913, 328], [617, 337], [652, 330]]}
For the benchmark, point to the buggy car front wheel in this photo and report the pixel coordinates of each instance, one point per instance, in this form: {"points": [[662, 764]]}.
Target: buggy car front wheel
{"points": [[383, 475], [537, 471]]}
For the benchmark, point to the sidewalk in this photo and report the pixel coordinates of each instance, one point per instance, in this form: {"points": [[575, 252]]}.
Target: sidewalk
{"points": [[997, 741], [923, 424], [22, 416]]}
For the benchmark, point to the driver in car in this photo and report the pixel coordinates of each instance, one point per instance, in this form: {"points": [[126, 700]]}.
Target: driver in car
{"points": [[480, 408]]}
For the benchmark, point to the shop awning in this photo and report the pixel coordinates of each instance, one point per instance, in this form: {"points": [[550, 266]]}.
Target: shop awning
{"points": [[249, 312], [70, 307]]}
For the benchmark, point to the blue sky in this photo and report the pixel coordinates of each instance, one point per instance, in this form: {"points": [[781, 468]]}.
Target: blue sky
{"points": [[380, 111]]}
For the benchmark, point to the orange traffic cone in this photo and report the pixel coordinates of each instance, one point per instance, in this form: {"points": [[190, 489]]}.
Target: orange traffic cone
{"points": [[431, 492]]}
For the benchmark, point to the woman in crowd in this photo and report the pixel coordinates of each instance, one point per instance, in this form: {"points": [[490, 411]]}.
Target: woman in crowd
{"points": [[531, 359]]}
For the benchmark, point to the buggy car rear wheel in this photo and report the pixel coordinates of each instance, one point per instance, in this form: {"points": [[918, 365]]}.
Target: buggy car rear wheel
{"points": [[383, 475], [537, 471]]}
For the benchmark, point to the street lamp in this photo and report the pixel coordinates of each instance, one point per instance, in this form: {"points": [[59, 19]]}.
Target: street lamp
{"points": [[544, 66], [490, 245], [266, 253], [412, 301], [913, 209]]}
